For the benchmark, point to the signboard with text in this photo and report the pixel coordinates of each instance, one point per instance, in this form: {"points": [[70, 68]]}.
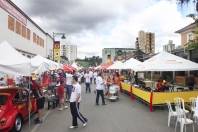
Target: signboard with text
{"points": [[56, 50]]}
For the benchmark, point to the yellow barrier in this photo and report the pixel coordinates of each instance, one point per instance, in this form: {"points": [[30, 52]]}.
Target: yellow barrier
{"points": [[158, 98], [162, 97], [145, 95], [126, 87]]}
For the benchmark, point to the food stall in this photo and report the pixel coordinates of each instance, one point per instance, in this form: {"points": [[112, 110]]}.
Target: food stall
{"points": [[161, 62], [153, 98]]}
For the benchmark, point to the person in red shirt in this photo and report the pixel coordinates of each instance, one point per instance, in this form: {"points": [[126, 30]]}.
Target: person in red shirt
{"points": [[61, 94], [40, 99], [159, 85]]}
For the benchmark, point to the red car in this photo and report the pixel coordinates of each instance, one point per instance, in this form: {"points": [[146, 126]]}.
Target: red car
{"points": [[14, 108]]}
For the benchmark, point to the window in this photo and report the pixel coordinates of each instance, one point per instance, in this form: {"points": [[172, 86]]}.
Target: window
{"points": [[23, 31], [28, 34], [18, 27], [34, 37], [43, 43], [189, 37], [3, 99], [11, 23], [37, 39]]}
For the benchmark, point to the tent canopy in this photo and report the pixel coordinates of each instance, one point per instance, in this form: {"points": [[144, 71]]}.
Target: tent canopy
{"points": [[168, 62], [13, 62], [38, 60], [68, 68], [117, 65], [131, 64]]}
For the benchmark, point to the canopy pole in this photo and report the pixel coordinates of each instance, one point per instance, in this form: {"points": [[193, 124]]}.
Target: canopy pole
{"points": [[173, 77], [29, 103], [151, 76], [160, 73]]}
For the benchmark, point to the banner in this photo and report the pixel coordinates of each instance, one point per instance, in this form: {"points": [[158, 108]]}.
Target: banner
{"points": [[56, 50]]}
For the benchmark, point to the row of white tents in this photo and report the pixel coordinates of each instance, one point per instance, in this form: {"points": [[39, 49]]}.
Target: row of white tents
{"points": [[13, 62], [161, 62]]}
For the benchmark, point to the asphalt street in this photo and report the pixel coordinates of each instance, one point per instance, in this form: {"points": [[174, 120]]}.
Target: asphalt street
{"points": [[124, 115]]}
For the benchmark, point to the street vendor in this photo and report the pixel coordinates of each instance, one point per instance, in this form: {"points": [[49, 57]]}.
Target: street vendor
{"points": [[40, 99]]}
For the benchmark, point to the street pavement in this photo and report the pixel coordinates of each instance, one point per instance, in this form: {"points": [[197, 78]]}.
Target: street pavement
{"points": [[124, 115]]}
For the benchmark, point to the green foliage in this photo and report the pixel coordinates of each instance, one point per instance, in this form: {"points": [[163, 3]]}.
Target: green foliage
{"points": [[89, 62], [192, 45]]}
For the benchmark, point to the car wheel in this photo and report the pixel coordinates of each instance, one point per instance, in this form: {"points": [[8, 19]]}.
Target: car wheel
{"points": [[18, 124]]}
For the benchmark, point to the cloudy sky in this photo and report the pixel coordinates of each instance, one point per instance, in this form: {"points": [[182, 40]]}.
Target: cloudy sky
{"points": [[97, 24]]}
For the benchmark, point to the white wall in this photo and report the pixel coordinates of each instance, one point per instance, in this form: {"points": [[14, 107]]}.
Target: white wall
{"points": [[49, 46], [20, 42]]}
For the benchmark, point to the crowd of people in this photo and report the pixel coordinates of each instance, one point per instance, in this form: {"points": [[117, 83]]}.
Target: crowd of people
{"points": [[66, 89]]}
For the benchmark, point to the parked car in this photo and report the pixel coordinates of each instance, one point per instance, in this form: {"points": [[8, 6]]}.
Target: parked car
{"points": [[14, 108]]}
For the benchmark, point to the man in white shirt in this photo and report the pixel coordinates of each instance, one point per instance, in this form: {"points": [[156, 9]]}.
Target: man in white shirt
{"points": [[95, 76], [100, 89], [91, 76], [87, 82], [69, 78], [74, 104]]}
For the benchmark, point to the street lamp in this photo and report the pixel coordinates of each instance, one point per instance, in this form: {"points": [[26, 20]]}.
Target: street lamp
{"points": [[54, 35]]}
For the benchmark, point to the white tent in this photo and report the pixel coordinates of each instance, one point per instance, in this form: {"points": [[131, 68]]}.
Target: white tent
{"points": [[117, 65], [13, 62], [168, 62], [131, 64], [42, 68], [39, 60]]}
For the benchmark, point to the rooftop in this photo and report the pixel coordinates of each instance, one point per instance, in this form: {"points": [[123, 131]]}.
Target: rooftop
{"points": [[190, 26]]}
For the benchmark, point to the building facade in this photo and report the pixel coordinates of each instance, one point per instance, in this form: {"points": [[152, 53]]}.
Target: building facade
{"points": [[22, 32], [169, 47], [146, 42], [69, 51], [112, 54], [187, 34]]}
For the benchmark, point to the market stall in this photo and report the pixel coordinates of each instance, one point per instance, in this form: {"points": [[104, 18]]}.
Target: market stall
{"points": [[156, 98], [117, 65], [12, 62], [162, 62], [38, 60]]}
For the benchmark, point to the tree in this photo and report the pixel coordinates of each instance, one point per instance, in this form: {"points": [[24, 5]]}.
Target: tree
{"points": [[194, 43], [182, 2]]}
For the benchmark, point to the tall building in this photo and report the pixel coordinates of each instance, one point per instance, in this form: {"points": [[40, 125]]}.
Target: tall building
{"points": [[169, 47], [18, 29], [146, 42], [69, 51]]}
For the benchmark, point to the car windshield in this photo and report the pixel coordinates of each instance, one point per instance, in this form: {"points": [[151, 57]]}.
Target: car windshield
{"points": [[3, 99]]}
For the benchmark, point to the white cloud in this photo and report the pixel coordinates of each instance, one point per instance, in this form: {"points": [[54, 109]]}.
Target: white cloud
{"points": [[126, 18], [162, 18]]}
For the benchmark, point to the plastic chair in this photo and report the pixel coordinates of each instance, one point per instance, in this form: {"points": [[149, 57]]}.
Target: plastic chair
{"points": [[195, 115], [181, 118], [179, 102], [193, 104], [171, 113]]}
